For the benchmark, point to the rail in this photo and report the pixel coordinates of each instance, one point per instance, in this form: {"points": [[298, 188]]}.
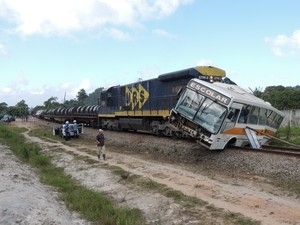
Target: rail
{"points": [[268, 149]]}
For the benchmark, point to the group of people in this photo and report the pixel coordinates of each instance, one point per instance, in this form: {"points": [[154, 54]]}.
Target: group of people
{"points": [[67, 129], [100, 139]]}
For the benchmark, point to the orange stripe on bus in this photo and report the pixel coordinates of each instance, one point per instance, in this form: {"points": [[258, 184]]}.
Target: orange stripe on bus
{"points": [[241, 131]]}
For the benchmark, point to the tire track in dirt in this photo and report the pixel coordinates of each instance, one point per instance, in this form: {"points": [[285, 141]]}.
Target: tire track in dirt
{"points": [[239, 197]]}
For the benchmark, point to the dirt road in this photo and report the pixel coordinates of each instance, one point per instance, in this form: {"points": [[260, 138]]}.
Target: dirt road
{"points": [[252, 196]]}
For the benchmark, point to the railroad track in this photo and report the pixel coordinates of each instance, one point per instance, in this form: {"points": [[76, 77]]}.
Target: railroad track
{"points": [[268, 149]]}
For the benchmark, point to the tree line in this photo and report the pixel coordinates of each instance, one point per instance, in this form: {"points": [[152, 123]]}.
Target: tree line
{"points": [[282, 98], [21, 109]]}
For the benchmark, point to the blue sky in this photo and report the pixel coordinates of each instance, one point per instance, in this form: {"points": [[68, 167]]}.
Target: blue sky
{"points": [[54, 48]]}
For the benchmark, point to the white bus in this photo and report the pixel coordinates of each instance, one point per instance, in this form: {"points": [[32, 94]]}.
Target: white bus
{"points": [[218, 115]]}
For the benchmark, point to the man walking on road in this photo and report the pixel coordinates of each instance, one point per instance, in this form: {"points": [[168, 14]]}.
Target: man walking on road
{"points": [[101, 144]]}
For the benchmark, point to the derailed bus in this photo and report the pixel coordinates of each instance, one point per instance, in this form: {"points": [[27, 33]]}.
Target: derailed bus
{"points": [[218, 115]]}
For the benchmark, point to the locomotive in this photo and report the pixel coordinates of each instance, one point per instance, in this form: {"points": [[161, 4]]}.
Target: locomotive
{"points": [[140, 106]]}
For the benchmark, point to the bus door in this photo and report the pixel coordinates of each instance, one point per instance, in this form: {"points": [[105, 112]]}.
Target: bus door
{"points": [[232, 116]]}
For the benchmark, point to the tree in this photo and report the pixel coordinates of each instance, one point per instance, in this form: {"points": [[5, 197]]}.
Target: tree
{"points": [[282, 97], [3, 108], [21, 109], [71, 103], [51, 103], [93, 98], [81, 96], [257, 92]]}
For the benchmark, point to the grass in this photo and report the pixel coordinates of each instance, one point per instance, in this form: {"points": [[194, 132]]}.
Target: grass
{"points": [[287, 134], [45, 133], [192, 204], [92, 205]]}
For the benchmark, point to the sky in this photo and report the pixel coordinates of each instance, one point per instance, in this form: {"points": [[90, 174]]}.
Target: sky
{"points": [[55, 48]]}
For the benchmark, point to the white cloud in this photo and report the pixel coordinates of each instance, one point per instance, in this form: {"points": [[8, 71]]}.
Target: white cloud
{"points": [[84, 84], [3, 50], [17, 91], [64, 85], [6, 90], [148, 73], [164, 33], [20, 80], [283, 45], [62, 17], [118, 34]]}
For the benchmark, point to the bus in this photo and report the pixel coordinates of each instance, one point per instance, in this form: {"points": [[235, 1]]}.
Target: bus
{"points": [[218, 115]]}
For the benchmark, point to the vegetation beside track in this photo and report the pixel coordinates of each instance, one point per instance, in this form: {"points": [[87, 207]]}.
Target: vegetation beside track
{"points": [[92, 205]]}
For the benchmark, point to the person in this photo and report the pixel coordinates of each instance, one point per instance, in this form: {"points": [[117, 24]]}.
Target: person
{"points": [[75, 126], [100, 140], [244, 115], [67, 130]]}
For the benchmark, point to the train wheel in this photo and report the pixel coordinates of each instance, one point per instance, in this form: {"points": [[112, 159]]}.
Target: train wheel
{"points": [[178, 134], [167, 131], [154, 130]]}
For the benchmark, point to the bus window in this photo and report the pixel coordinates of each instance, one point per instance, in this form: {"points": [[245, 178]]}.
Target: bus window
{"points": [[233, 115], [210, 115], [274, 120], [277, 119], [236, 113], [189, 103], [262, 119], [253, 115], [244, 114]]}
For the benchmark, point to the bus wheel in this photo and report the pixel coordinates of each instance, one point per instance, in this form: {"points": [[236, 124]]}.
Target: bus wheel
{"points": [[230, 143]]}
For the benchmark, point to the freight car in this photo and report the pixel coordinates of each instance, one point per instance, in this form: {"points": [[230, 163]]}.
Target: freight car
{"points": [[87, 115], [140, 106], [218, 115]]}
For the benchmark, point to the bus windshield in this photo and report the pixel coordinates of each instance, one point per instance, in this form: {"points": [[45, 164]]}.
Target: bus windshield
{"points": [[203, 111]]}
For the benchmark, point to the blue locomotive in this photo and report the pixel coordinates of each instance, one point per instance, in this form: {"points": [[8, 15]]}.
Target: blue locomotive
{"points": [[146, 105]]}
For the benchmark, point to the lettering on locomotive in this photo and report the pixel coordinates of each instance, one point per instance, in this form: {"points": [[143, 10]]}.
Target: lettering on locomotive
{"points": [[136, 96], [210, 92]]}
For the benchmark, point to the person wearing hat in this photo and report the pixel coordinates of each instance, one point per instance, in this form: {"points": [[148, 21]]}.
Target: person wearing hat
{"points": [[75, 126], [101, 144], [67, 131]]}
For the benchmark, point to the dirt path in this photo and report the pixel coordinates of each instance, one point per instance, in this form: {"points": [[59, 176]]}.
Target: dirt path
{"points": [[251, 198]]}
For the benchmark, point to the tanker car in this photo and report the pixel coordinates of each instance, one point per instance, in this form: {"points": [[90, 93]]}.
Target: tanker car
{"points": [[140, 106]]}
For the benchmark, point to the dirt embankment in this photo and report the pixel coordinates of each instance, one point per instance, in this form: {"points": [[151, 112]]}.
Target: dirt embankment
{"points": [[234, 181]]}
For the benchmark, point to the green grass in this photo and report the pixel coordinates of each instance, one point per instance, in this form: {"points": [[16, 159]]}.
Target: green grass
{"points": [[91, 205], [45, 133], [287, 134]]}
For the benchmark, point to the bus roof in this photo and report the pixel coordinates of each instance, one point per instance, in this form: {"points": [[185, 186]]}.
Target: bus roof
{"points": [[239, 94]]}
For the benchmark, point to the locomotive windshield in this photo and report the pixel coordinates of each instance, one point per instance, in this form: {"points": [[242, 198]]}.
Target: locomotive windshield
{"points": [[202, 110]]}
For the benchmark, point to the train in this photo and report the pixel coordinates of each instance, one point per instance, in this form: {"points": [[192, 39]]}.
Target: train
{"points": [[139, 106], [157, 106]]}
